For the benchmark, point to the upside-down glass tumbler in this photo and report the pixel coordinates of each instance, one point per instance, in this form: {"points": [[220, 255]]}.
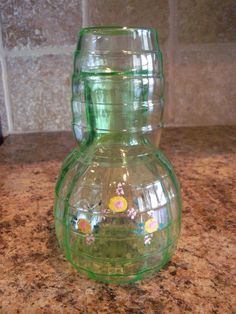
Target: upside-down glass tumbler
{"points": [[118, 205]]}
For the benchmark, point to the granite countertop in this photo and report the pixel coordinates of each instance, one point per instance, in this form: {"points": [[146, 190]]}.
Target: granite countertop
{"points": [[36, 278]]}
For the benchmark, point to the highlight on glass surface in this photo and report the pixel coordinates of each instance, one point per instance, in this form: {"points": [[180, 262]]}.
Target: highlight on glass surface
{"points": [[117, 205]]}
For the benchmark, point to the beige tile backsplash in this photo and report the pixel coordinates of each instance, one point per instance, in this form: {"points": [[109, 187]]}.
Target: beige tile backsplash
{"points": [[204, 89], [151, 13], [206, 21], [39, 90], [198, 40], [30, 23]]}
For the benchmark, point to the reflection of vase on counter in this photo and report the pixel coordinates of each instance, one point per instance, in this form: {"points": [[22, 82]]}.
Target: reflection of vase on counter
{"points": [[117, 208]]}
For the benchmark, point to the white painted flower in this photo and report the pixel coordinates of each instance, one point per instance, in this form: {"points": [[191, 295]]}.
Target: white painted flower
{"points": [[132, 213], [148, 239], [89, 239], [119, 189]]}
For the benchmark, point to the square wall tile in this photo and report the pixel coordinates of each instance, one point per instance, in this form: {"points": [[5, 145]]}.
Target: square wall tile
{"points": [[152, 13], [40, 92], [3, 115], [206, 21], [204, 91], [40, 23]]}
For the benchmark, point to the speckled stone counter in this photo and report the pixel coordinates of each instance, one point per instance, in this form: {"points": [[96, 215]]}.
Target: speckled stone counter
{"points": [[36, 278]]}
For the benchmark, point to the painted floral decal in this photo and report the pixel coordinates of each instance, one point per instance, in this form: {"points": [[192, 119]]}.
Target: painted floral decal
{"points": [[119, 189], [84, 226], [118, 204], [151, 225], [148, 239], [132, 213], [89, 239]]}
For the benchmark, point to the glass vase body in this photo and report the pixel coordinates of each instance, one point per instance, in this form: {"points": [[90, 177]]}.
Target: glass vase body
{"points": [[117, 205]]}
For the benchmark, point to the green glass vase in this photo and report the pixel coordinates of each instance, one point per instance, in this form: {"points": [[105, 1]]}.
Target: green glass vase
{"points": [[117, 205]]}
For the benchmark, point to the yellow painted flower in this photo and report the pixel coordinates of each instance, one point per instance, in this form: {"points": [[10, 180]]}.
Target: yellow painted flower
{"points": [[84, 226], [151, 225], [118, 204]]}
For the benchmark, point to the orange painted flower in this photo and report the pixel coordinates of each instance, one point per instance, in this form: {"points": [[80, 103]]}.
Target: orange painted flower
{"points": [[84, 226], [151, 225], [118, 204]]}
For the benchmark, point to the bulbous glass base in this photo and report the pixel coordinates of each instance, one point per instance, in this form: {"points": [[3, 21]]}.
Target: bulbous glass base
{"points": [[117, 212]]}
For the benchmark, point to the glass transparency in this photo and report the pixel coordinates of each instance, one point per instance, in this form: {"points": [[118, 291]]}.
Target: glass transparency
{"points": [[118, 205]]}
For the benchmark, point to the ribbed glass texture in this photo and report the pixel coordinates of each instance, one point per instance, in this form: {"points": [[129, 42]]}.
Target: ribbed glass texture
{"points": [[118, 205]]}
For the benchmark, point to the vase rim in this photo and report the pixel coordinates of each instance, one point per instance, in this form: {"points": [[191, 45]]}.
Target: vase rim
{"points": [[92, 29]]}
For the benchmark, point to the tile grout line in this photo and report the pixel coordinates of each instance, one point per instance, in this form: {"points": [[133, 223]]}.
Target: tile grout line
{"points": [[206, 46], [40, 51], [84, 6], [67, 50], [5, 85], [171, 48]]}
